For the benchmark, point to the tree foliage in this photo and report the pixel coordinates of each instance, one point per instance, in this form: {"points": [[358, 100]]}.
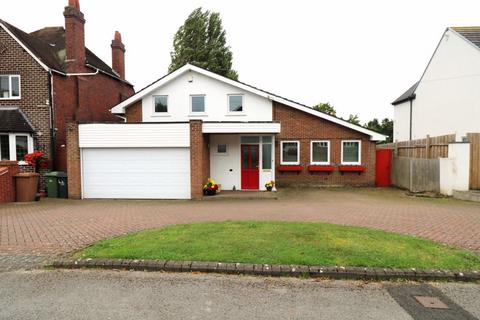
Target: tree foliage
{"points": [[385, 127], [202, 41], [353, 119], [326, 107]]}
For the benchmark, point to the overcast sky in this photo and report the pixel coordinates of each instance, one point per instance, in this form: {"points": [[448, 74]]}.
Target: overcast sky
{"points": [[357, 55]]}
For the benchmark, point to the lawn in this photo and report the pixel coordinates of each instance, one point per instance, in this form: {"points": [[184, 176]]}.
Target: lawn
{"points": [[284, 243]]}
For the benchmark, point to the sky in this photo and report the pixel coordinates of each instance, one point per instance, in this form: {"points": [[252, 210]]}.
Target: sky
{"points": [[357, 55]]}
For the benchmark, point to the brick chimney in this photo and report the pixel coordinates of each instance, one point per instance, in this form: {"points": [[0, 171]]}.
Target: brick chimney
{"points": [[118, 55], [74, 37]]}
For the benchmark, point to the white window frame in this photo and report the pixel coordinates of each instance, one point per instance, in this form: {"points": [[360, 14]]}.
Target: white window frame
{"points": [[198, 113], [359, 162], [10, 76], [298, 152], [13, 144], [236, 113], [328, 152], [221, 153], [160, 114]]}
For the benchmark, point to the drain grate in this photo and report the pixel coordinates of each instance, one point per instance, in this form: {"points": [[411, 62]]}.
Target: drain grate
{"points": [[431, 302]]}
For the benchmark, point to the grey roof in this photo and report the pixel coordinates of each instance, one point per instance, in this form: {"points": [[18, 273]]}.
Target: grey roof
{"points": [[407, 95], [12, 119], [472, 34], [48, 45]]}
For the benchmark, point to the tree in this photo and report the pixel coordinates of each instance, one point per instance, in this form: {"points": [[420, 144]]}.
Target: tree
{"points": [[326, 108], [353, 119], [202, 41], [385, 127]]}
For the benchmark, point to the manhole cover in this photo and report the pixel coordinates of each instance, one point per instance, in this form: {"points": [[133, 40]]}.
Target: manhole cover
{"points": [[431, 302]]}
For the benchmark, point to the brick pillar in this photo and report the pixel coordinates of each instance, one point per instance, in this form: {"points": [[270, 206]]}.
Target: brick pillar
{"points": [[7, 183], [73, 162], [199, 156]]}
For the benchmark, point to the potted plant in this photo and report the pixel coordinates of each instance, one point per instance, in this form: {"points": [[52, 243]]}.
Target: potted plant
{"points": [[210, 188], [37, 159], [269, 185]]}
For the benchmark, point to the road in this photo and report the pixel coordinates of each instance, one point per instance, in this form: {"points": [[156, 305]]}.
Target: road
{"points": [[44, 294]]}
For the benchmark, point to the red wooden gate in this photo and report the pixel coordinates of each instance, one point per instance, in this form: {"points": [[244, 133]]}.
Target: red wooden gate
{"points": [[383, 167]]}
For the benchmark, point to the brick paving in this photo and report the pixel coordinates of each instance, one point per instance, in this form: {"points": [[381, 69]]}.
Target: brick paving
{"points": [[53, 227]]}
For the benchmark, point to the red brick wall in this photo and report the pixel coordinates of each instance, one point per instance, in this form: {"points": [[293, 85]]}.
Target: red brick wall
{"points": [[7, 183], [84, 99], [303, 127], [134, 112], [73, 162], [34, 89], [199, 159]]}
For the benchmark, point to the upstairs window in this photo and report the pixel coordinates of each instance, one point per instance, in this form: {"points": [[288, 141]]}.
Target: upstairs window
{"points": [[9, 87], [235, 103], [198, 103], [161, 104], [351, 152]]}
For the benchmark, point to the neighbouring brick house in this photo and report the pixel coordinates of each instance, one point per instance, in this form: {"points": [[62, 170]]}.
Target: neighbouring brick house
{"points": [[193, 124], [49, 78]]}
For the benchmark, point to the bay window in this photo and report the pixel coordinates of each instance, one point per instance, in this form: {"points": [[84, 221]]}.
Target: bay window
{"points": [[14, 146]]}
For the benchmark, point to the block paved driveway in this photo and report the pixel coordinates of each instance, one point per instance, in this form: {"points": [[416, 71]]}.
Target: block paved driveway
{"points": [[30, 234]]}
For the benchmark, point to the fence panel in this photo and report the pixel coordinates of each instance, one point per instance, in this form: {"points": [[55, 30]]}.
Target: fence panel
{"points": [[474, 139]]}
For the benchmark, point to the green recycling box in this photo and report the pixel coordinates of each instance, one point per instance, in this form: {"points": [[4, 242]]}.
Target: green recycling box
{"points": [[57, 184]]}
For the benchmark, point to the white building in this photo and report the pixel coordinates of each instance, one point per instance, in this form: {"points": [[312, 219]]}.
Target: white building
{"points": [[446, 99]]}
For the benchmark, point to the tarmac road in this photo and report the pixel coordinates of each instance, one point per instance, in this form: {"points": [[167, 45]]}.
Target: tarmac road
{"points": [[74, 294]]}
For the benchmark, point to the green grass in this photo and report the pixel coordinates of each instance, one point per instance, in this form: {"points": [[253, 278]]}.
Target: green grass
{"points": [[284, 243]]}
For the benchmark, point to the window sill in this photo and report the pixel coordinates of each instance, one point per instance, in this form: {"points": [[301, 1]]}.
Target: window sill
{"points": [[161, 115], [234, 114], [199, 114], [15, 98]]}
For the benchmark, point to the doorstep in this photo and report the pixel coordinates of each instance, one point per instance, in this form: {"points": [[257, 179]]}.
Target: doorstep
{"points": [[334, 272], [243, 194]]}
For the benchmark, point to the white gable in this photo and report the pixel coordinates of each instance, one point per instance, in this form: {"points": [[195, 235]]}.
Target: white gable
{"points": [[216, 93], [228, 84]]}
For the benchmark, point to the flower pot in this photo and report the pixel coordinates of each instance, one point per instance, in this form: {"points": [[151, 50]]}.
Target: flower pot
{"points": [[269, 188], [210, 192]]}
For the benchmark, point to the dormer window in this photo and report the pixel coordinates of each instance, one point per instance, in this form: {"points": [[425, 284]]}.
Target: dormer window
{"points": [[235, 103], [9, 87]]}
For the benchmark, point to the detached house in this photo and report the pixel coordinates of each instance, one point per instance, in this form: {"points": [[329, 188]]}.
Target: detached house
{"points": [[49, 78], [193, 124], [446, 99]]}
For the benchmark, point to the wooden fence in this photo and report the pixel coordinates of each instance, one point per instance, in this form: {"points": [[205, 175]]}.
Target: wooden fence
{"points": [[428, 148], [437, 147], [474, 139]]}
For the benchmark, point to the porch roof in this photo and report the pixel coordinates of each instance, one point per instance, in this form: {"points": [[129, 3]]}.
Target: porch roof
{"points": [[241, 127]]}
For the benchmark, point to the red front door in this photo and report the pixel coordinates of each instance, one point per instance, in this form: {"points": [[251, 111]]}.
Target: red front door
{"points": [[383, 167], [250, 174]]}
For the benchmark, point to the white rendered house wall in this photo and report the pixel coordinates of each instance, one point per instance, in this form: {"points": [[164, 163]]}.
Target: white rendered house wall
{"points": [[448, 96], [180, 90]]}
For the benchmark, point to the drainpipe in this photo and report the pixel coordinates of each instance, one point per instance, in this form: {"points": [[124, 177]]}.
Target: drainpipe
{"points": [[411, 116], [52, 122]]}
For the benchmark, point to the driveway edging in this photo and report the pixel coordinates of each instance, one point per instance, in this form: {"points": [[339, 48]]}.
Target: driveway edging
{"points": [[351, 273]]}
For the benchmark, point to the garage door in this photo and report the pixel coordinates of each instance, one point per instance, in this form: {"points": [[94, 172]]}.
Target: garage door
{"points": [[136, 173]]}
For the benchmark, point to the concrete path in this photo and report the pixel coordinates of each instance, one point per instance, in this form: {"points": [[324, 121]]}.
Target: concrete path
{"points": [[138, 295], [36, 231]]}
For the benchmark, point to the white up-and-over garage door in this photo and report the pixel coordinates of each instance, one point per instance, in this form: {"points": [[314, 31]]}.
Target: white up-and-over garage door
{"points": [[135, 161]]}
